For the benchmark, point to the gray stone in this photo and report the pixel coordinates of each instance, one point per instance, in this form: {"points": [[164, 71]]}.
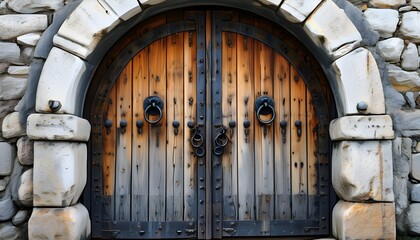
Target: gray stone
{"points": [[26, 55], [21, 217], [405, 9], [14, 25], [25, 151], [403, 81], [10, 232], [34, 6], [409, 96], [7, 155], [30, 39], [415, 167], [413, 218], [4, 66], [410, 27], [6, 107], [415, 193], [384, 21], [415, 3], [3, 183], [391, 49], [18, 70], [12, 87], [410, 58], [387, 3], [9, 52], [7, 209], [11, 127], [25, 191]]}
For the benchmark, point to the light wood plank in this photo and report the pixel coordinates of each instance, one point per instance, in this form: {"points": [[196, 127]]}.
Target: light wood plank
{"points": [[312, 123]]}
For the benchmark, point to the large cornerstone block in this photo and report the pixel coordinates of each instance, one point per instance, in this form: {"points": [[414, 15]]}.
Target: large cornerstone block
{"points": [[59, 173], [70, 223], [57, 127], [362, 170], [362, 127], [363, 220]]}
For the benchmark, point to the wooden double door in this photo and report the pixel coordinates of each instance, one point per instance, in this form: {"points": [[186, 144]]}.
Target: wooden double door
{"points": [[209, 124]]}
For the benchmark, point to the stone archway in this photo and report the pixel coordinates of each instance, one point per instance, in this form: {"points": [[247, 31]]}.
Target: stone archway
{"points": [[362, 147]]}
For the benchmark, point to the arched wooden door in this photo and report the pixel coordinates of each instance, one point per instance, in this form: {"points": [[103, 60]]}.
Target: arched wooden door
{"points": [[209, 124]]}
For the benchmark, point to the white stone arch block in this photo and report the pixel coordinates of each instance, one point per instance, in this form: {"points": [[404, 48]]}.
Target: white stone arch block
{"points": [[362, 128], [297, 11]]}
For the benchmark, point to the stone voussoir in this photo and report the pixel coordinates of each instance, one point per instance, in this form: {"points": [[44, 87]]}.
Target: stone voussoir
{"points": [[362, 128], [125, 9], [297, 11], [58, 127], [60, 173], [359, 83], [362, 170], [363, 220], [71, 223], [59, 83]]}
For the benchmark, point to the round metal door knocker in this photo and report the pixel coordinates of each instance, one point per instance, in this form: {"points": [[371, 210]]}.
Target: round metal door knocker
{"points": [[153, 106], [265, 106]]}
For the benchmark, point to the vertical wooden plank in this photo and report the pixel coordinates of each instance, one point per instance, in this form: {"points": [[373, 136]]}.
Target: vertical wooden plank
{"points": [[157, 136], [190, 113], [174, 146], [312, 123], [245, 108], [264, 155], [108, 162], [298, 148], [140, 169], [229, 158], [123, 170], [282, 137]]}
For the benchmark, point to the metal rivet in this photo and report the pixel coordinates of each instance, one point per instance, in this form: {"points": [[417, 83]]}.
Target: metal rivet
{"points": [[362, 106], [54, 105]]}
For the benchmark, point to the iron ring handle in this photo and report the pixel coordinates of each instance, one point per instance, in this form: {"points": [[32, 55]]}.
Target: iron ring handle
{"points": [[221, 140], [272, 110], [200, 152], [218, 151], [148, 108], [197, 140]]}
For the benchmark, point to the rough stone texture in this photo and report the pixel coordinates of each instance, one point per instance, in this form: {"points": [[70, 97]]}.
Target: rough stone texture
{"points": [[126, 9], [359, 81], [10, 232], [387, 3], [361, 127], [403, 81], [8, 209], [415, 167], [26, 55], [363, 220], [361, 170], [297, 10], [415, 3], [413, 218], [329, 27], [70, 223], [34, 6], [7, 155], [12, 87], [25, 151], [9, 52], [59, 83], [21, 217], [415, 193], [59, 173], [391, 49], [6, 107], [30, 39], [4, 66], [410, 27], [18, 70], [384, 21], [11, 127], [410, 58], [58, 127], [3, 183], [25, 191], [14, 25]]}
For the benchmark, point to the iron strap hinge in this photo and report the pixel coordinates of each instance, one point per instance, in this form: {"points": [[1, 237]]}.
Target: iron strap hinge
{"points": [[229, 231]]}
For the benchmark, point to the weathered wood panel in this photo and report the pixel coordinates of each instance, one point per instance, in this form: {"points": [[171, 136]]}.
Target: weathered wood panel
{"points": [[312, 138]]}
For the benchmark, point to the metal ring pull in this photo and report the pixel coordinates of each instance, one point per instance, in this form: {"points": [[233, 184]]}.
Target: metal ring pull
{"points": [[197, 140], [265, 106], [153, 106], [218, 151], [221, 140]]}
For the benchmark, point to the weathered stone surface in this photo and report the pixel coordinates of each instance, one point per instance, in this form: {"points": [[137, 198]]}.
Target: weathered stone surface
{"points": [[82, 31], [414, 218], [362, 127], [20, 217], [387, 3], [410, 27], [403, 81], [34, 6], [7, 209], [359, 81], [363, 220], [25, 191], [125, 9], [401, 155], [30, 39], [3, 183], [14, 25], [11, 127], [405, 9], [415, 3], [10, 232], [415, 193], [415, 167], [25, 151], [297, 10], [7, 155], [9, 52], [4, 66], [59, 83], [150, 2], [12, 87], [391, 49], [384, 21], [271, 3], [57, 127], [70, 223], [329, 27], [26, 55], [59, 173], [362, 170], [410, 58], [18, 70]]}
